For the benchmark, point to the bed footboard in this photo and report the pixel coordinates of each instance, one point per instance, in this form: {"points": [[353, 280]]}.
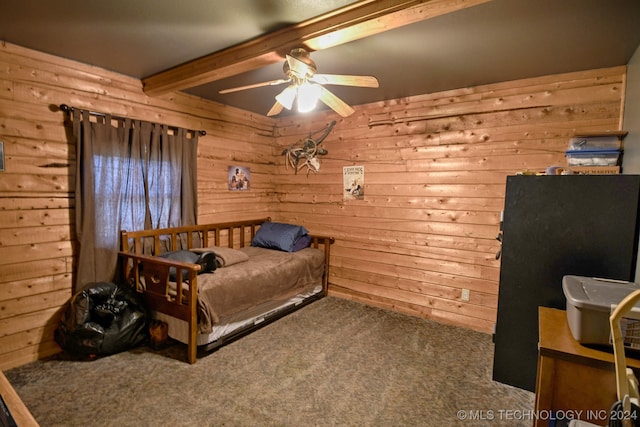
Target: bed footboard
{"points": [[149, 274]]}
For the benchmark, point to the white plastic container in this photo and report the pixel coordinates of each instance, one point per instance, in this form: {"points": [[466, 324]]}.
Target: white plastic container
{"points": [[592, 157], [589, 303]]}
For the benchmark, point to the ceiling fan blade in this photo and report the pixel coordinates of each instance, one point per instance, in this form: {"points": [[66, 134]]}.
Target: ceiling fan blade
{"points": [[276, 109], [335, 103], [298, 67], [255, 85], [345, 80], [287, 96]]}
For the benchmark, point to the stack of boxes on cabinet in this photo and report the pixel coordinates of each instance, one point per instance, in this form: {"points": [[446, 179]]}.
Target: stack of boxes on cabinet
{"points": [[595, 154]]}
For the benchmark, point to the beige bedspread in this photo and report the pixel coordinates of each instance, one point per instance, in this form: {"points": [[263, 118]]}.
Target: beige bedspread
{"points": [[268, 274]]}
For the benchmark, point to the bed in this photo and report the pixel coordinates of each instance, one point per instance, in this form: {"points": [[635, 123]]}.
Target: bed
{"points": [[262, 271]]}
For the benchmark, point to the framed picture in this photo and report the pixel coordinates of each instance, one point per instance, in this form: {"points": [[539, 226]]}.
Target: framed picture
{"points": [[239, 178], [353, 180]]}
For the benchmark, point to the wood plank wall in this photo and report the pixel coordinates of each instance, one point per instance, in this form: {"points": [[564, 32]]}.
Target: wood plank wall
{"points": [[435, 169], [37, 187]]}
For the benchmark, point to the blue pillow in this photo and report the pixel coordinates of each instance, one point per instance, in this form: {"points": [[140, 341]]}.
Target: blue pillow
{"points": [[275, 235], [302, 242]]}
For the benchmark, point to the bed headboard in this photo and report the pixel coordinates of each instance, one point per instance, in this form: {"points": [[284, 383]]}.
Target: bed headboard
{"points": [[228, 234]]}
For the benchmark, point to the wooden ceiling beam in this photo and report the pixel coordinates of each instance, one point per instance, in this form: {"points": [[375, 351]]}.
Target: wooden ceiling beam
{"points": [[361, 19]]}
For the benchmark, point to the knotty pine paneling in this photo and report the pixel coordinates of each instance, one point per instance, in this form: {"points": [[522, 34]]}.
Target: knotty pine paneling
{"points": [[435, 169], [37, 204]]}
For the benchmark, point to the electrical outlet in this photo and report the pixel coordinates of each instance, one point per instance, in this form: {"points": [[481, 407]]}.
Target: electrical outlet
{"points": [[465, 295]]}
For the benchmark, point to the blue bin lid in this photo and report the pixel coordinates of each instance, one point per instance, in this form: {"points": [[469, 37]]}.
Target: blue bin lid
{"points": [[592, 152]]}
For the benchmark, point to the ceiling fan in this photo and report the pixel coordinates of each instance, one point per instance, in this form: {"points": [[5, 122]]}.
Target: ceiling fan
{"points": [[307, 87]]}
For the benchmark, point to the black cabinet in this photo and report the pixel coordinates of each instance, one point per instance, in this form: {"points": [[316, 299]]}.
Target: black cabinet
{"points": [[554, 226]]}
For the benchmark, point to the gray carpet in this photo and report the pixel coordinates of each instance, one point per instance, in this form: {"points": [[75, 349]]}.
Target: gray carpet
{"points": [[332, 363]]}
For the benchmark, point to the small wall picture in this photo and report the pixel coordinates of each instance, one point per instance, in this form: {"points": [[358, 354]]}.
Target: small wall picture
{"points": [[353, 180], [239, 178], [1, 156]]}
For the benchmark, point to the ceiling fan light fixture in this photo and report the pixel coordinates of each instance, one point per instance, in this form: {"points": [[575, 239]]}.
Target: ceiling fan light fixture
{"points": [[287, 96], [308, 95]]}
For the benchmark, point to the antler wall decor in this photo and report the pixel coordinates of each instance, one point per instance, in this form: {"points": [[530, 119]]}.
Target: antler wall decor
{"points": [[305, 153]]}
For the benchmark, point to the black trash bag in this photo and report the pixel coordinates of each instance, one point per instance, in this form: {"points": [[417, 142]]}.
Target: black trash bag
{"points": [[105, 318]]}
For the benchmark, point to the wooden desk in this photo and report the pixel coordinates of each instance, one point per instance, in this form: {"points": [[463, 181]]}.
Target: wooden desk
{"points": [[572, 377], [18, 410]]}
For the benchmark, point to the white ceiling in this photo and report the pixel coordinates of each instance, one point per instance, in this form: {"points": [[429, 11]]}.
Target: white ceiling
{"points": [[496, 41]]}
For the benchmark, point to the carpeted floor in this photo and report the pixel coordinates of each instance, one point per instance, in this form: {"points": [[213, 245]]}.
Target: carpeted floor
{"points": [[332, 363]]}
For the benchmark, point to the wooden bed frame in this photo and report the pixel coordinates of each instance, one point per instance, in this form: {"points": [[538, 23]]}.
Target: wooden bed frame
{"points": [[157, 291]]}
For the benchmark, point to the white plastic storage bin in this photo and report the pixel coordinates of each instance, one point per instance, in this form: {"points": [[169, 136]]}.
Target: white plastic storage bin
{"points": [[589, 302], [592, 157]]}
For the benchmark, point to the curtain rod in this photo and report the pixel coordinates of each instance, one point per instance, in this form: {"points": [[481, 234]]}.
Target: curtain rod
{"points": [[67, 109]]}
